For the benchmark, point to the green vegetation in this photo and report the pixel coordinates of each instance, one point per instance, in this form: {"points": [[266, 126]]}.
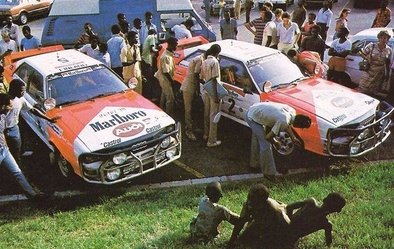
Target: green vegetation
{"points": [[160, 218]]}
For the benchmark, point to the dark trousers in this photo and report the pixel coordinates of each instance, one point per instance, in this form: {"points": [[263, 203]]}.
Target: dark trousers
{"points": [[151, 89], [118, 71], [247, 13]]}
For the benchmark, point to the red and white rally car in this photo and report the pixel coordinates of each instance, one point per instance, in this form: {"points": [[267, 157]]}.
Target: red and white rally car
{"points": [[106, 133], [345, 123]]}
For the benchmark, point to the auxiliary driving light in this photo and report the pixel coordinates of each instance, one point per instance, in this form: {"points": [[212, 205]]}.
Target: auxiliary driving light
{"points": [[119, 159], [113, 174]]}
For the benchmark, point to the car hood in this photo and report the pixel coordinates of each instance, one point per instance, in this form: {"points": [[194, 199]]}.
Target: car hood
{"points": [[327, 100], [109, 121]]}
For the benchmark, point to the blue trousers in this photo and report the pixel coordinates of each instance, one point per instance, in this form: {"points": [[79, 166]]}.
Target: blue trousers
{"points": [[8, 161], [260, 149], [14, 142]]}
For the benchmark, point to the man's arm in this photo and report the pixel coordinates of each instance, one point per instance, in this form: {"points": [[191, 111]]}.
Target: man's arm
{"points": [[328, 233], [293, 206], [249, 27], [38, 113]]}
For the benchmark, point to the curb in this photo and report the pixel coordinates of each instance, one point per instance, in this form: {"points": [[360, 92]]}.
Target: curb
{"points": [[189, 182]]}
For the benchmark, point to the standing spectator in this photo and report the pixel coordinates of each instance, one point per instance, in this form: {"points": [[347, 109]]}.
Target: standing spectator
{"points": [[210, 70], [29, 41], [340, 48], [266, 120], [249, 4], [11, 132], [221, 9], [228, 27], [204, 227], [314, 42], [270, 6], [258, 24], [183, 31], [311, 217], [237, 9], [115, 45], [146, 26], [383, 16], [165, 74], [131, 58], [137, 23], [289, 33], [306, 28], [270, 32], [260, 3], [299, 14], [341, 21], [207, 9], [123, 24], [323, 18], [91, 49], [266, 218], [151, 89], [12, 29], [7, 45], [379, 55], [190, 88], [84, 38], [278, 20], [6, 158], [103, 54]]}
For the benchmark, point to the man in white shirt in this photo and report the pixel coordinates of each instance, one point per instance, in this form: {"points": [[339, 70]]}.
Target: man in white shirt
{"points": [[270, 32], [7, 45], [323, 18], [289, 33], [12, 29], [183, 31], [91, 49], [146, 26]]}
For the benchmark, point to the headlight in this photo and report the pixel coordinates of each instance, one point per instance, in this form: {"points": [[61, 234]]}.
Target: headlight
{"points": [[363, 135], [171, 153], [317, 70], [119, 158], [354, 148], [113, 174], [166, 142]]}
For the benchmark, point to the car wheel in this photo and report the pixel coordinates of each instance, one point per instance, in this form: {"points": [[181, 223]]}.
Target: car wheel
{"points": [[23, 18], [286, 147], [64, 166]]}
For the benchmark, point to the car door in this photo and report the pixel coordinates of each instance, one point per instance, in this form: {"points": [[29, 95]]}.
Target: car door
{"points": [[35, 96], [353, 59], [242, 91]]}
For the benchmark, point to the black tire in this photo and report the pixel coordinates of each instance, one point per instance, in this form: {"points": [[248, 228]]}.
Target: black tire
{"points": [[63, 165], [23, 19]]}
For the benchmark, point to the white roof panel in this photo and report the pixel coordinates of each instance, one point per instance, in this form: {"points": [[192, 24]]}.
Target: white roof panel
{"points": [[74, 7], [170, 5]]}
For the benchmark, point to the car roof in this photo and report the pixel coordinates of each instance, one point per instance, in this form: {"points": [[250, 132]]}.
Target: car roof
{"points": [[240, 50], [59, 61], [372, 33], [165, 5]]}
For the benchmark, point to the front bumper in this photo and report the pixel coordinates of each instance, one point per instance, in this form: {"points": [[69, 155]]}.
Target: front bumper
{"points": [[358, 139], [141, 157]]}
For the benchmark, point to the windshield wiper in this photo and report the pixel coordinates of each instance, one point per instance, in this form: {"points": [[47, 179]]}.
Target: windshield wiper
{"points": [[102, 95], [69, 102], [297, 80]]}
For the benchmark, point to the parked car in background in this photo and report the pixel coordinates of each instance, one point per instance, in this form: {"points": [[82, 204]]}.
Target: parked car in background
{"points": [[345, 123], [228, 4], [22, 10], [359, 41], [105, 132]]}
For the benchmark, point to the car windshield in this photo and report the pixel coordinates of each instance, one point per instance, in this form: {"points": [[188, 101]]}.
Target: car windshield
{"points": [[83, 84], [9, 2], [276, 68]]}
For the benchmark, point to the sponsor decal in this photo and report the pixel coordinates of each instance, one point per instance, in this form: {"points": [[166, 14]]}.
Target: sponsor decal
{"points": [[112, 143], [116, 119], [339, 118], [153, 128], [342, 102], [128, 129]]}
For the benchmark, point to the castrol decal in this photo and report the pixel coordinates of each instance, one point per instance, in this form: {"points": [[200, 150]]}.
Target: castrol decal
{"points": [[128, 129], [115, 125]]}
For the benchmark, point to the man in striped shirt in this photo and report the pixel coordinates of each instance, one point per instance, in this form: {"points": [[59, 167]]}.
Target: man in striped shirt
{"points": [[257, 26]]}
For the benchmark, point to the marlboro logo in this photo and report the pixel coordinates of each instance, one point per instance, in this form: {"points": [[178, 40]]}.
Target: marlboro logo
{"points": [[115, 120]]}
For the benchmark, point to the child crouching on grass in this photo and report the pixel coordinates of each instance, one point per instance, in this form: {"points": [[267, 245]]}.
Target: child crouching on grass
{"points": [[204, 227]]}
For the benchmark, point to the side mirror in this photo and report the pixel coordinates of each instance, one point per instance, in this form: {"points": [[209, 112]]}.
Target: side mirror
{"points": [[49, 104], [266, 86]]}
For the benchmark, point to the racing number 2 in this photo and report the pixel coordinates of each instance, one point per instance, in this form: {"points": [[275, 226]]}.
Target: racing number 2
{"points": [[231, 107]]}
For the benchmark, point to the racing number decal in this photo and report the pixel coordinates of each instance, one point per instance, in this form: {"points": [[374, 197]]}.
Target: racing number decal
{"points": [[231, 107]]}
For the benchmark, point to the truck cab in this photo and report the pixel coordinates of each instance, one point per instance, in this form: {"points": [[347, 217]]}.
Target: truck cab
{"points": [[66, 20]]}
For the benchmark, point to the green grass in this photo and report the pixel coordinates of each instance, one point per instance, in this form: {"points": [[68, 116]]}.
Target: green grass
{"points": [[160, 218]]}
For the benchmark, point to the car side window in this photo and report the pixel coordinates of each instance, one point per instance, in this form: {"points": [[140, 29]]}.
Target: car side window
{"points": [[33, 80], [234, 73]]}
